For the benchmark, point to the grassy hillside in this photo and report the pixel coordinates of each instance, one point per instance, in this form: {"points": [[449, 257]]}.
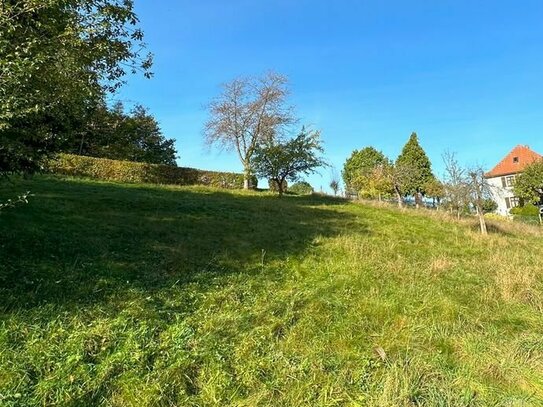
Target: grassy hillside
{"points": [[118, 295]]}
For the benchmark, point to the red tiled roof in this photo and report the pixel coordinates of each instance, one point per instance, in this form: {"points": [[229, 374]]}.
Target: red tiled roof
{"points": [[514, 162]]}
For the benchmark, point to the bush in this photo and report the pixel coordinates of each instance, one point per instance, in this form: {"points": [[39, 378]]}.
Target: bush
{"points": [[489, 206], [132, 172], [301, 188], [526, 210]]}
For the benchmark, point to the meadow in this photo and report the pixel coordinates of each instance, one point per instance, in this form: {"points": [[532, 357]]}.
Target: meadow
{"points": [[139, 295]]}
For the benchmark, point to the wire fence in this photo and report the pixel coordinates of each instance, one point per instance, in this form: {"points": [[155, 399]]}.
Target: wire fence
{"points": [[528, 219]]}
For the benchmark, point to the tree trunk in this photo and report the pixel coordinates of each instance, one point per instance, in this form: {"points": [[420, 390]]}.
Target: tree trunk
{"points": [[482, 221], [399, 197], [418, 200], [479, 204], [280, 184], [81, 144], [247, 178]]}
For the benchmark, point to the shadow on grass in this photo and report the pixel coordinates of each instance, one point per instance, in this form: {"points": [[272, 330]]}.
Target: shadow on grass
{"points": [[492, 228], [81, 243]]}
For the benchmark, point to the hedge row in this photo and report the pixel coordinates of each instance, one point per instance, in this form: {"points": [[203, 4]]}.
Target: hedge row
{"points": [[133, 172]]}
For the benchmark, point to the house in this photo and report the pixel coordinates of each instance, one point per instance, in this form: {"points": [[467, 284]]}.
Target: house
{"points": [[502, 177]]}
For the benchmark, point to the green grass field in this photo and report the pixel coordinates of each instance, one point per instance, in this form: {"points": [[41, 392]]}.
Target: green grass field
{"points": [[131, 295]]}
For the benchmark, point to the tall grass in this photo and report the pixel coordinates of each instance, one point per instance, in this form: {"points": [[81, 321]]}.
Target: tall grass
{"points": [[118, 295]]}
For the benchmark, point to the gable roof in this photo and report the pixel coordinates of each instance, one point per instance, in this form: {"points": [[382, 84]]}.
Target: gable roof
{"points": [[514, 162]]}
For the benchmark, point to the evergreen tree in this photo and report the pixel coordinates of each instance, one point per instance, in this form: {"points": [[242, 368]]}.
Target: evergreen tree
{"points": [[420, 173]]}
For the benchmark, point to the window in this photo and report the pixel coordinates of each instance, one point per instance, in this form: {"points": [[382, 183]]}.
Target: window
{"points": [[515, 160], [512, 202], [510, 181]]}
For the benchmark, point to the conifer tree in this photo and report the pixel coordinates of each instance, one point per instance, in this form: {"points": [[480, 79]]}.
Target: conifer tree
{"points": [[420, 173]]}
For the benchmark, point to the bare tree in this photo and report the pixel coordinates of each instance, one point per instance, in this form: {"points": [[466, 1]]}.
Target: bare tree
{"points": [[479, 190], [466, 188], [246, 113], [456, 184], [334, 181]]}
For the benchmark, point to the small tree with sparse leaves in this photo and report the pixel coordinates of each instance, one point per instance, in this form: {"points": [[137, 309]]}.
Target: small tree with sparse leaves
{"points": [[287, 160]]}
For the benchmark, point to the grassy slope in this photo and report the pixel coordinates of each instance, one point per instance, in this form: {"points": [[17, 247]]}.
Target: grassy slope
{"points": [[135, 295]]}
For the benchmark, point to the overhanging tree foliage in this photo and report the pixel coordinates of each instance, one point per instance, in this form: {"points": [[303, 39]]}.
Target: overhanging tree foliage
{"points": [[529, 184], [287, 160], [57, 59]]}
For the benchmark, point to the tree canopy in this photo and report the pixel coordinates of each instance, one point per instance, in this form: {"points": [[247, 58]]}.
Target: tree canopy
{"points": [[360, 165], [414, 158], [529, 184], [58, 58], [249, 112], [115, 134], [287, 160]]}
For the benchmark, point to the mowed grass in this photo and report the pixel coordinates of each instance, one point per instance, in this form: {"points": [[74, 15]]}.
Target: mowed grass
{"points": [[132, 295]]}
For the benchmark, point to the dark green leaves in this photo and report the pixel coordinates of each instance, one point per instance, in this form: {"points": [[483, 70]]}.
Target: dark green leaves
{"points": [[529, 184], [287, 160], [57, 59]]}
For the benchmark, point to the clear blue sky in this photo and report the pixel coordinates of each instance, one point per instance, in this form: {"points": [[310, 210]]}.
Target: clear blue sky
{"points": [[467, 76]]}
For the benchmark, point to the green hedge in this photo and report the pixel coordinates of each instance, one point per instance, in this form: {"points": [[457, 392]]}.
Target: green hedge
{"points": [[526, 210], [133, 172]]}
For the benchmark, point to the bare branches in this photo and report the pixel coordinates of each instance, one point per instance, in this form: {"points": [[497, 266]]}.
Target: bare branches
{"points": [[456, 187], [466, 189], [249, 111], [479, 190]]}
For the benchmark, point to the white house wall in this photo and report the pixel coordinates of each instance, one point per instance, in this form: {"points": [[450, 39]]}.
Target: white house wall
{"points": [[499, 193]]}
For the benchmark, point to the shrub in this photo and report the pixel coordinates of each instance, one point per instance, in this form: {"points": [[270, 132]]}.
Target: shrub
{"points": [[301, 188], [489, 206], [133, 172], [526, 210]]}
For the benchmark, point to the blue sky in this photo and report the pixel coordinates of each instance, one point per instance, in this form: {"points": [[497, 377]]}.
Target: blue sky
{"points": [[467, 76]]}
